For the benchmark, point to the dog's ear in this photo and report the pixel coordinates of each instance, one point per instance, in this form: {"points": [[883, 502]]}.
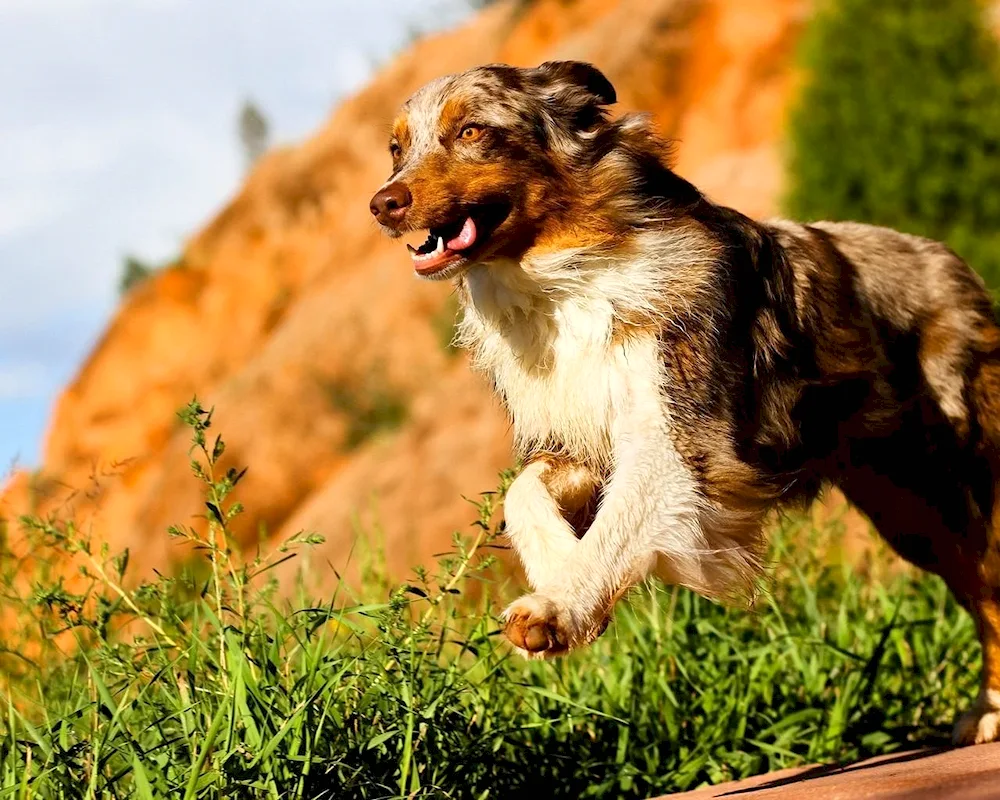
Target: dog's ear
{"points": [[580, 75]]}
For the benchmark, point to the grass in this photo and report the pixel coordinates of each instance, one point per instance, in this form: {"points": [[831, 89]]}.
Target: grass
{"points": [[217, 687]]}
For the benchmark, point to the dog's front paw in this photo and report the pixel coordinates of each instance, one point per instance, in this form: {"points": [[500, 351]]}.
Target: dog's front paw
{"points": [[540, 627], [981, 723]]}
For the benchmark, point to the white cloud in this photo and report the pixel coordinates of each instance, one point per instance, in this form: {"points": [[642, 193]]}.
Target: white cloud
{"points": [[41, 164], [32, 150], [20, 381], [38, 7], [25, 207]]}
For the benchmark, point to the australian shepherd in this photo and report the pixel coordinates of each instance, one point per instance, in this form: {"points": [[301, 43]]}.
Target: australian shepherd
{"points": [[673, 370]]}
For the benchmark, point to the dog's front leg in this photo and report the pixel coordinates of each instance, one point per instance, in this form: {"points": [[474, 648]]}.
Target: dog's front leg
{"points": [[539, 504], [650, 509]]}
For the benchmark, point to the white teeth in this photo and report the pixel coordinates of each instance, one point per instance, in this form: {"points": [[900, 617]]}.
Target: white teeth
{"points": [[438, 251], [416, 255]]}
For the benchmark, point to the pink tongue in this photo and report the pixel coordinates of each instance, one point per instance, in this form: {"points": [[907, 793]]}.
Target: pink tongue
{"points": [[466, 237]]}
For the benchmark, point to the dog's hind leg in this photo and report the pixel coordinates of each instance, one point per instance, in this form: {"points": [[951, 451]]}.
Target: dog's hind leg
{"points": [[982, 588], [981, 723], [925, 512]]}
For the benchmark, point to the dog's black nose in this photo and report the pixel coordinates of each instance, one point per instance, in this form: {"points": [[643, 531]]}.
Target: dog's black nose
{"points": [[390, 204]]}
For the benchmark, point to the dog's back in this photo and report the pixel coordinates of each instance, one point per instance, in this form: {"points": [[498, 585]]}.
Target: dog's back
{"points": [[895, 320], [899, 345]]}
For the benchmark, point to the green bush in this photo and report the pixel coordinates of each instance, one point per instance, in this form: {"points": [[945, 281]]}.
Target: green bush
{"points": [[898, 123], [134, 272], [212, 685], [369, 406]]}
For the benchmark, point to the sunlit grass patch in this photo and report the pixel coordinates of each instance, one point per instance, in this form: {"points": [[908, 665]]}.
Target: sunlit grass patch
{"points": [[212, 684]]}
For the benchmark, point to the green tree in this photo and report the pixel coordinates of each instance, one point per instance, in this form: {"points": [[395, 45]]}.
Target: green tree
{"points": [[898, 123], [134, 272], [255, 132]]}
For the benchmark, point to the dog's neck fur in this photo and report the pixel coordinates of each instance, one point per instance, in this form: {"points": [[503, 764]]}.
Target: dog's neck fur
{"points": [[559, 330], [554, 331]]}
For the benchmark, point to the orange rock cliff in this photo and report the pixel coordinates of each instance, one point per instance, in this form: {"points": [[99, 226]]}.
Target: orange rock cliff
{"points": [[302, 326]]}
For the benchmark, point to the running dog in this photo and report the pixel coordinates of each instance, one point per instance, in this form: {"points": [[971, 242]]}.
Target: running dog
{"points": [[673, 370]]}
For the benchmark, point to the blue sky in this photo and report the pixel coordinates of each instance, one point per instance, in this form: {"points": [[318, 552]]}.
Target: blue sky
{"points": [[117, 136]]}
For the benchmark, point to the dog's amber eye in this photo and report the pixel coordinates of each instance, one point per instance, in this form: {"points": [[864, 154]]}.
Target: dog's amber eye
{"points": [[470, 132]]}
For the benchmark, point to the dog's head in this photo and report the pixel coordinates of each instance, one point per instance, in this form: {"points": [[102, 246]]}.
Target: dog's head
{"points": [[481, 159]]}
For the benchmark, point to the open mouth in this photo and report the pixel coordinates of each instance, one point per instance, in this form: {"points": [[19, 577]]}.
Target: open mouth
{"points": [[450, 246], [444, 246]]}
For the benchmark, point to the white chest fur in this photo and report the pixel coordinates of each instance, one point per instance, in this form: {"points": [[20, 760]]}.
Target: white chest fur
{"points": [[552, 356], [544, 331]]}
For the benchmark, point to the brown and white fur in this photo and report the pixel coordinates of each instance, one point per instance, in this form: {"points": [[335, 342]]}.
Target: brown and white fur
{"points": [[673, 369]]}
